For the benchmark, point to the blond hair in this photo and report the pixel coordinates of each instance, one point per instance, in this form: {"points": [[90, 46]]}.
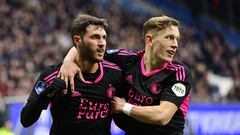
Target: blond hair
{"points": [[158, 23]]}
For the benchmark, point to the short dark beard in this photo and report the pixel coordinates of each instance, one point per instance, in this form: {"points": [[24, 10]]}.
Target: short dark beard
{"points": [[87, 54]]}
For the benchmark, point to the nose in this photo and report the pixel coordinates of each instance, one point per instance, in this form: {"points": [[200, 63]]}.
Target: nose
{"points": [[174, 44], [102, 42]]}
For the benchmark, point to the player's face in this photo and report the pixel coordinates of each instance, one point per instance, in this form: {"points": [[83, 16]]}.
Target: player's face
{"points": [[165, 44], [94, 43]]}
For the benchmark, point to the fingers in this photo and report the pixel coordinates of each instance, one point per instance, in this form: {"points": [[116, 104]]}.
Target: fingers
{"points": [[115, 98], [66, 81], [81, 76], [115, 108], [60, 85], [113, 102], [59, 74], [71, 78], [72, 84]]}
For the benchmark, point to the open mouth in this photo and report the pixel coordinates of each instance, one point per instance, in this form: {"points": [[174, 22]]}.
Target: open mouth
{"points": [[170, 52], [100, 50]]}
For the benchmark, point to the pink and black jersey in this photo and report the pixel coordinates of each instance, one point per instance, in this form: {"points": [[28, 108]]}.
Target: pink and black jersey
{"points": [[86, 111], [171, 82]]}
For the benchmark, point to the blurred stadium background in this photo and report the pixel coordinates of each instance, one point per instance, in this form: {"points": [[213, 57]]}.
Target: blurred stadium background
{"points": [[35, 34]]}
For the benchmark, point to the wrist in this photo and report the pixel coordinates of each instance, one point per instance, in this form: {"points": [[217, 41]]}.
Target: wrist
{"points": [[127, 109]]}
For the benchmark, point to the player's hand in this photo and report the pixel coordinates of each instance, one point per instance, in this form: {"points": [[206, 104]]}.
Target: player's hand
{"points": [[117, 104], [57, 87], [67, 72]]}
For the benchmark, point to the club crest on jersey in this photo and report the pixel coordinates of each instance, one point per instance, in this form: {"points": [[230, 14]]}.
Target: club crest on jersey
{"points": [[129, 79], [111, 91], [156, 88], [179, 89], [40, 87]]}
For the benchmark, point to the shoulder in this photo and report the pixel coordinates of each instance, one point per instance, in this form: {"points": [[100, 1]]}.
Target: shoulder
{"points": [[46, 77], [110, 65], [123, 52], [50, 71], [123, 58], [112, 71], [181, 70], [138, 54], [177, 66]]}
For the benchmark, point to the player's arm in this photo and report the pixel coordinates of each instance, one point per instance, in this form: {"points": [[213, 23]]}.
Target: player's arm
{"points": [[39, 99], [159, 114], [69, 68]]}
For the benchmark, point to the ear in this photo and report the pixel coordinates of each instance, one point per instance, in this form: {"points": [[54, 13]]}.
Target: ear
{"points": [[76, 39], [148, 39]]}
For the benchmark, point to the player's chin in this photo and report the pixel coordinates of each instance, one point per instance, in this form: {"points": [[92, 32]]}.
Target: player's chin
{"points": [[99, 55], [98, 59], [168, 59]]}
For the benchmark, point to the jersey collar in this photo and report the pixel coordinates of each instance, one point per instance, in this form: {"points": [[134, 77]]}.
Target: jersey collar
{"points": [[151, 72], [99, 77]]}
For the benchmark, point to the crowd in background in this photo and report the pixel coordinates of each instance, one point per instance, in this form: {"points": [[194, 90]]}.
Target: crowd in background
{"points": [[35, 34]]}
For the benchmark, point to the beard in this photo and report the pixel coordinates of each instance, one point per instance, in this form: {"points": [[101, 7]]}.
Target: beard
{"points": [[88, 54]]}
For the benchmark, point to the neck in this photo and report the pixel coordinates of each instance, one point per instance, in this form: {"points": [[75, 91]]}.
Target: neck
{"points": [[151, 63], [86, 65]]}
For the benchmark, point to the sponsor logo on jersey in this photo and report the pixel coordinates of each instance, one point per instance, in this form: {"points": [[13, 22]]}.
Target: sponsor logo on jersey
{"points": [[156, 88], [136, 98], [111, 51], [111, 91], [40, 87], [179, 89], [90, 110]]}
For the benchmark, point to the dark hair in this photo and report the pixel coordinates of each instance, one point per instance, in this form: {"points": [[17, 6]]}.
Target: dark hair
{"points": [[82, 21]]}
